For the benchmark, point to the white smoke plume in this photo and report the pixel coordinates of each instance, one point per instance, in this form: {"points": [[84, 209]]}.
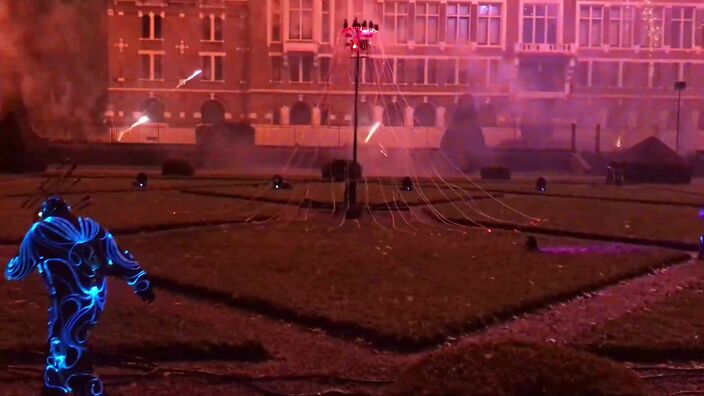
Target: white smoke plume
{"points": [[53, 57]]}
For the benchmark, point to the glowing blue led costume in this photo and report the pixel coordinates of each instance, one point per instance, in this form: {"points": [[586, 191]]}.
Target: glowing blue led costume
{"points": [[74, 256]]}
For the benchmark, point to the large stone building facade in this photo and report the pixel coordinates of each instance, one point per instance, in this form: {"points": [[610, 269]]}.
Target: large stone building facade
{"points": [[533, 67]]}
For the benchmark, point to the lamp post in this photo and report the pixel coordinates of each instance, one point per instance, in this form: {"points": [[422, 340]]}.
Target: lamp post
{"points": [[358, 36], [679, 87]]}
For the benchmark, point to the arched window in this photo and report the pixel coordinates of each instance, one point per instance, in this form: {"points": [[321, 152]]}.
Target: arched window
{"points": [[213, 113], [424, 115], [393, 114], [300, 114], [154, 109]]}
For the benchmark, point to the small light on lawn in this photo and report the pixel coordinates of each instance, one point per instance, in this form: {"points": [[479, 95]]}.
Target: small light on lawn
{"points": [[278, 183], [541, 184], [701, 247], [141, 180], [532, 244], [407, 184]]}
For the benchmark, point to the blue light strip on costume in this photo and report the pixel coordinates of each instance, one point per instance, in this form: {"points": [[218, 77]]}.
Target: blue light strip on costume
{"points": [[74, 260]]}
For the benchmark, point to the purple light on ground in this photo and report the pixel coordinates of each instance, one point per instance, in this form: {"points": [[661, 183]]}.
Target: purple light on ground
{"points": [[701, 214], [592, 249]]}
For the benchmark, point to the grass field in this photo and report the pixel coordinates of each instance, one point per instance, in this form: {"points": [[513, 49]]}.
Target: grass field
{"points": [[370, 192], [670, 330], [666, 222], [131, 210], [692, 194], [402, 287], [128, 326]]}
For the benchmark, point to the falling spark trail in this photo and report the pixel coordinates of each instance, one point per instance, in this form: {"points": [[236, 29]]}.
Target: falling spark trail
{"points": [[381, 149], [142, 120], [191, 77], [372, 132]]}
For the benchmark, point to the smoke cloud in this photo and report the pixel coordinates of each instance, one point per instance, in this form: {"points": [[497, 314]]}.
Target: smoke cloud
{"points": [[53, 57]]}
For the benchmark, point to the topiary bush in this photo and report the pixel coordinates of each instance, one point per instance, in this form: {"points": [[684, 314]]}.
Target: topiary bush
{"points": [[495, 173], [177, 167], [337, 170], [513, 369]]}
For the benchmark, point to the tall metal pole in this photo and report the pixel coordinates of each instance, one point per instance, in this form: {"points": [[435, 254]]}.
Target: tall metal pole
{"points": [[352, 179], [677, 136]]}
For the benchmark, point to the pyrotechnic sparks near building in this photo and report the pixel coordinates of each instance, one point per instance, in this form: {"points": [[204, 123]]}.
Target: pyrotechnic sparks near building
{"points": [[531, 67], [372, 131], [183, 82], [141, 121]]}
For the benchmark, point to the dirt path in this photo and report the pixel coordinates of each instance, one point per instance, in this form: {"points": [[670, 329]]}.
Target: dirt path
{"points": [[564, 322]]}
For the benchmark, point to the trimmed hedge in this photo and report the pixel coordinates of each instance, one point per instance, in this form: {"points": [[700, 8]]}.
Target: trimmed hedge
{"points": [[177, 167], [513, 369]]}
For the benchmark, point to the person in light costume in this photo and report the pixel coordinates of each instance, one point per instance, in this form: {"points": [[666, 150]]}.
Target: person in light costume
{"points": [[74, 256]]}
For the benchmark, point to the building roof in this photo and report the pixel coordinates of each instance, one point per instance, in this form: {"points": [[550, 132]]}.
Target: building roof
{"points": [[650, 151]]}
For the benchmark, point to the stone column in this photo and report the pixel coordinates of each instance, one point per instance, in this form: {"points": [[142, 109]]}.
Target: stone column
{"points": [[440, 117], [378, 114], [408, 117], [285, 116], [315, 116]]}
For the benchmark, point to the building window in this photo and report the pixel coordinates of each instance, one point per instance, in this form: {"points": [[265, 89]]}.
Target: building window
{"points": [[276, 20], [653, 27], [582, 74], [540, 24], [605, 74], [621, 26], [212, 28], [682, 28], [426, 71], [665, 75], [591, 21], [369, 71], [213, 69], [635, 74], [494, 76], [432, 75], [691, 73], [151, 65], [451, 72], [325, 11], [458, 22], [300, 68], [151, 27], [427, 23], [396, 19], [489, 24], [325, 64], [300, 20], [276, 68]]}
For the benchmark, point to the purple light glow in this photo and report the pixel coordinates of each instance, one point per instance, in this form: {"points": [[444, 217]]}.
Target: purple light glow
{"points": [[592, 249]]}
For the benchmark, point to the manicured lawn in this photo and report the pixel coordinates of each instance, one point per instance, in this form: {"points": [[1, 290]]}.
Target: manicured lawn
{"points": [[671, 329], [369, 191], [30, 184], [164, 330], [692, 194], [666, 222], [398, 287], [131, 210]]}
